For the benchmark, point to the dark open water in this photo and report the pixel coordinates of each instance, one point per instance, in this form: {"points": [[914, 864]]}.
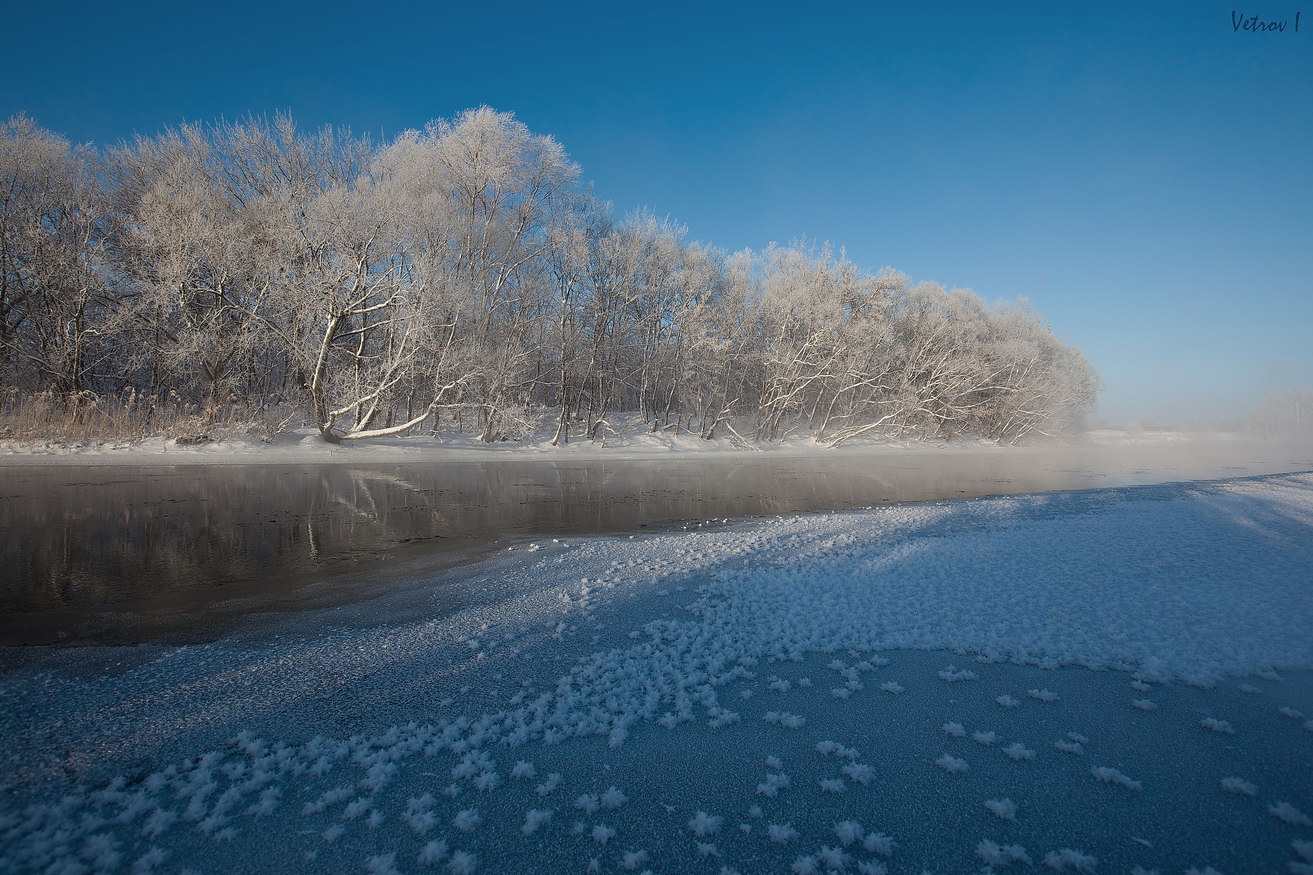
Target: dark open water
{"points": [[119, 553]]}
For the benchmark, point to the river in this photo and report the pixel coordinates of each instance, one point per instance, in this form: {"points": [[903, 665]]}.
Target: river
{"points": [[118, 554]]}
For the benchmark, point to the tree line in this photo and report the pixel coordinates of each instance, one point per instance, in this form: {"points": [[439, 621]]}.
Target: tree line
{"points": [[463, 276]]}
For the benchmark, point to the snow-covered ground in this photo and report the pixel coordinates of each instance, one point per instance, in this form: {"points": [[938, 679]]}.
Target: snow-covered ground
{"points": [[632, 441], [1084, 681]]}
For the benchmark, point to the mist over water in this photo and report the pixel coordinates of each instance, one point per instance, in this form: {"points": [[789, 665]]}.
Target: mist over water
{"points": [[131, 553]]}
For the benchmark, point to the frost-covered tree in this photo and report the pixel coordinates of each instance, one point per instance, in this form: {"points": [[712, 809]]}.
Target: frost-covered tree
{"points": [[1043, 386], [461, 275], [501, 184], [55, 281], [202, 265], [1286, 414]]}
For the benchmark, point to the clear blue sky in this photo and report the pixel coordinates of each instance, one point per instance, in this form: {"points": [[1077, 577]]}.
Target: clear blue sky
{"points": [[1141, 172]]}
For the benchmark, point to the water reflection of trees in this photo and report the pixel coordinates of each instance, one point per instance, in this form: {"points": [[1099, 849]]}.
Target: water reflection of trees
{"points": [[177, 539]]}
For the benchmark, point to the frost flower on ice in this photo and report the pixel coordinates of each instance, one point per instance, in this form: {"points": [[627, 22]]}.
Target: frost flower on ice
{"points": [[467, 820], [703, 824], [1112, 776], [848, 831], [534, 818], [994, 854], [1069, 860], [1239, 786], [951, 764], [1288, 813], [632, 860]]}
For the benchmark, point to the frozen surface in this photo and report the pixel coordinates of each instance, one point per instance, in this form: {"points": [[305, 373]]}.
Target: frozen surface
{"points": [[666, 703]]}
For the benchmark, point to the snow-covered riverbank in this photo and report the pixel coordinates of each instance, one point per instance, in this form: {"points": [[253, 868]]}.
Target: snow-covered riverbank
{"points": [[633, 442], [905, 688], [304, 447]]}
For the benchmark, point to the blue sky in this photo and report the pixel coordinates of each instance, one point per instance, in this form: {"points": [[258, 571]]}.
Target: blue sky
{"points": [[1142, 175]]}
